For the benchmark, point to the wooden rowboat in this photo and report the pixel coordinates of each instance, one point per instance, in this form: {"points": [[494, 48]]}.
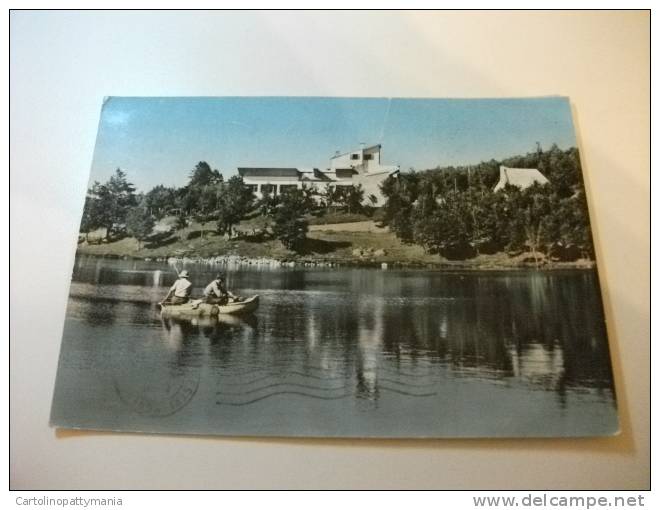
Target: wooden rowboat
{"points": [[198, 308]]}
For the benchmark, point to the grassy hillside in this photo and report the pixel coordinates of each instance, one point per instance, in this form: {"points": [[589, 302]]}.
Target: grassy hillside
{"points": [[361, 243]]}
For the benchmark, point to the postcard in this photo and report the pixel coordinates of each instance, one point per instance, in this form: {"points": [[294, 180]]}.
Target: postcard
{"points": [[336, 267]]}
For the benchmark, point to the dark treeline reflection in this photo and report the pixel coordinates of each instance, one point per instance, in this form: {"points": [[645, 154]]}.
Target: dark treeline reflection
{"points": [[366, 332]]}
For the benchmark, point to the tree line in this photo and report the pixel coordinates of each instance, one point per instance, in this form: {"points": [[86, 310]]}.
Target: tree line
{"points": [[453, 211]]}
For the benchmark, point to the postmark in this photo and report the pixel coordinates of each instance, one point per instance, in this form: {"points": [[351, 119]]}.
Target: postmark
{"points": [[159, 399], [158, 377]]}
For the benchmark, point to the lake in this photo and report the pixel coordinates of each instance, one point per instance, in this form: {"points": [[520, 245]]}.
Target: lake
{"points": [[338, 352]]}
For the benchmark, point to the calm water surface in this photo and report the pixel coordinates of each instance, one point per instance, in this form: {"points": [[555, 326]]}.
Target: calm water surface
{"points": [[339, 352]]}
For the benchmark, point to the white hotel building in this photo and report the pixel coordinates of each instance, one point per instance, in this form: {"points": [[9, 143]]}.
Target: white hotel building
{"points": [[361, 166]]}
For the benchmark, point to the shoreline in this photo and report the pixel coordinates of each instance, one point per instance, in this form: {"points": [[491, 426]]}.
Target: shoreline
{"points": [[234, 260], [352, 244]]}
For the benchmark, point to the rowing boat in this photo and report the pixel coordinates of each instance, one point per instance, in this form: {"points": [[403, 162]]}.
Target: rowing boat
{"points": [[197, 307]]}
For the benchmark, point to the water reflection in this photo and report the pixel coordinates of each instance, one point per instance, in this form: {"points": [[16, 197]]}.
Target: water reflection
{"points": [[358, 339]]}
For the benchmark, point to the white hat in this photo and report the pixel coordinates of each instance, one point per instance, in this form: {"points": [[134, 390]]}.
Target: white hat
{"points": [[183, 274]]}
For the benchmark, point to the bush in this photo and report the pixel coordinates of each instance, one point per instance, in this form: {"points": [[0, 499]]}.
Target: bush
{"points": [[292, 232]]}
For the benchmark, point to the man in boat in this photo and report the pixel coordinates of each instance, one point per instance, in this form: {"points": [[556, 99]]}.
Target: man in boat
{"points": [[181, 289], [216, 292]]}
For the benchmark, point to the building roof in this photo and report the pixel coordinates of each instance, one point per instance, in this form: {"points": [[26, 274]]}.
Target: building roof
{"points": [[520, 177], [268, 172], [372, 148], [391, 170], [321, 176]]}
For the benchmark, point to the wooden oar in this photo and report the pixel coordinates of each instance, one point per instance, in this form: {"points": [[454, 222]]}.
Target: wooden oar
{"points": [[170, 292]]}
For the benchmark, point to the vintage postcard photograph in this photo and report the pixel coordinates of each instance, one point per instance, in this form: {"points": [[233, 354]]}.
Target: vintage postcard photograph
{"points": [[336, 267]]}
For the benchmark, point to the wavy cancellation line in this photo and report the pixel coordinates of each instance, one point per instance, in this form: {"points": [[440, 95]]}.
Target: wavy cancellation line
{"points": [[273, 366], [276, 375], [256, 369], [284, 375], [408, 393], [250, 382], [268, 377], [428, 373], [297, 393], [308, 395], [276, 385], [383, 367], [411, 385]]}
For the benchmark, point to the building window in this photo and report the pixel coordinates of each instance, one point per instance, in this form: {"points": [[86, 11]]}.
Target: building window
{"points": [[253, 187], [287, 187], [368, 156], [355, 156], [344, 173], [267, 189]]}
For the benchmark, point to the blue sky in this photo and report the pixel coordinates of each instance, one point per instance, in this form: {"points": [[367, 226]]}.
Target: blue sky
{"points": [[159, 140]]}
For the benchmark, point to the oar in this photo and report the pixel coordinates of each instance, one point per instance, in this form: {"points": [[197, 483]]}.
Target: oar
{"points": [[177, 269], [161, 303], [170, 292]]}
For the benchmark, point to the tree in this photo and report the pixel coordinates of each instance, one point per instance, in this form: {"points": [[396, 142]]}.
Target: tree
{"points": [[309, 198], [445, 226], [454, 211], [107, 205], [186, 200], [577, 229], [202, 175], [207, 206], [92, 213], [159, 200], [352, 199], [531, 218], [267, 204], [96, 213], [234, 201], [289, 224], [492, 218], [568, 235], [327, 196], [122, 197], [401, 193], [139, 224], [189, 198], [348, 198]]}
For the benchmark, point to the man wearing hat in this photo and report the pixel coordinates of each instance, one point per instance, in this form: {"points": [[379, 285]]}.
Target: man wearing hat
{"points": [[216, 292], [181, 289]]}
